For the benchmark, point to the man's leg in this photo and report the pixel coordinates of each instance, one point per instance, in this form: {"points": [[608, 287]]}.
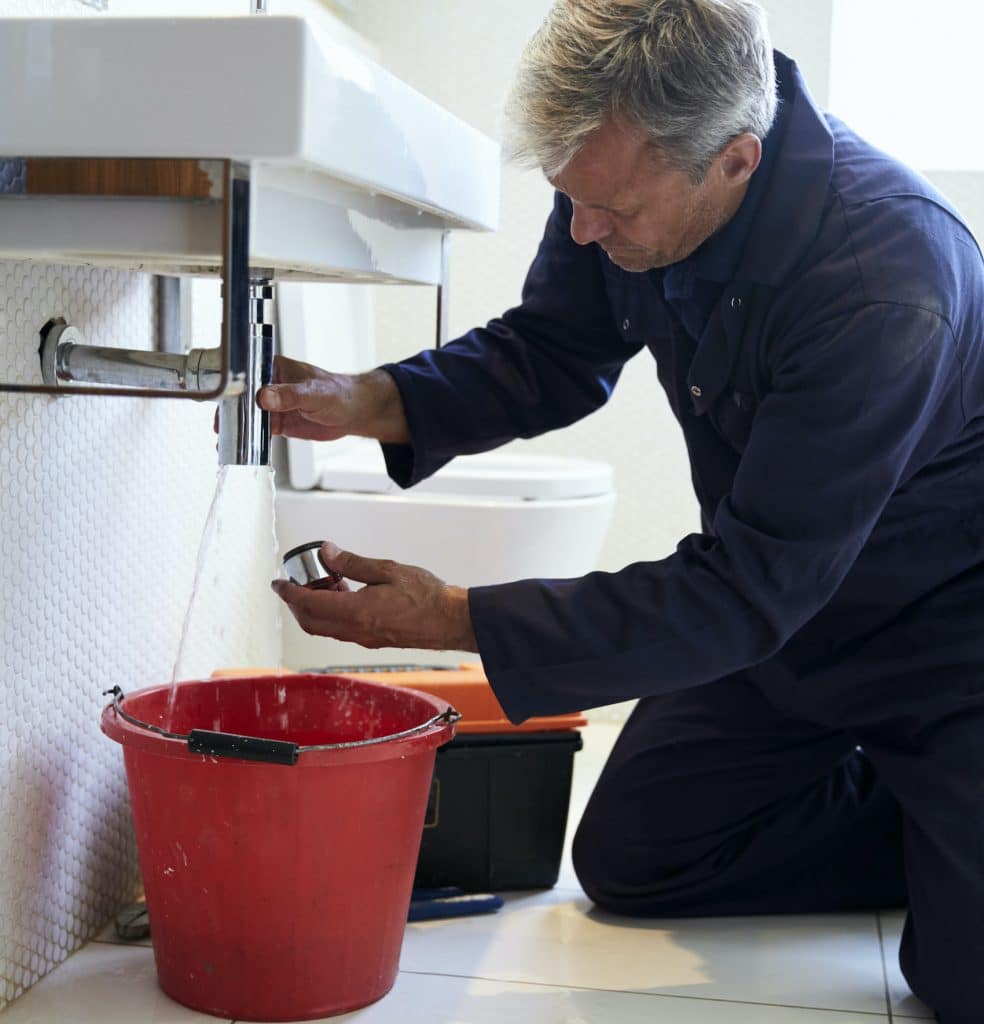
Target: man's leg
{"points": [[713, 802], [936, 770]]}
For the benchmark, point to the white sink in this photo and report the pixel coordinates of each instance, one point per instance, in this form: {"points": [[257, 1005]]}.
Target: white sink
{"points": [[354, 174]]}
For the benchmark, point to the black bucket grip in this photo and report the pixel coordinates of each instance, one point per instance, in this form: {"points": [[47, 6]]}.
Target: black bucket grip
{"points": [[245, 748]]}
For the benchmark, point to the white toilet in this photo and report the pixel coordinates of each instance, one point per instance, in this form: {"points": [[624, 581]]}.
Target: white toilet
{"points": [[482, 519]]}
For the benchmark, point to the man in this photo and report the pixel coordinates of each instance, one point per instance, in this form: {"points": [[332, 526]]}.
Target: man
{"points": [[811, 665]]}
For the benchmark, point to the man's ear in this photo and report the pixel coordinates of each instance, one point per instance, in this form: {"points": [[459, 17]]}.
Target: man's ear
{"points": [[740, 158]]}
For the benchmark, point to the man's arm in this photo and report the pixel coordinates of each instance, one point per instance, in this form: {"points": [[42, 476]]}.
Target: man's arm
{"points": [[858, 406], [544, 364], [550, 361], [399, 606], [317, 405]]}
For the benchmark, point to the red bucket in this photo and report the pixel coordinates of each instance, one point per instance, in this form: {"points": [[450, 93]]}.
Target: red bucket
{"points": [[278, 823]]}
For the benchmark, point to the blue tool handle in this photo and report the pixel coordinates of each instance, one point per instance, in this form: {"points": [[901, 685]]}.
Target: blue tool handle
{"points": [[453, 906], [435, 894]]}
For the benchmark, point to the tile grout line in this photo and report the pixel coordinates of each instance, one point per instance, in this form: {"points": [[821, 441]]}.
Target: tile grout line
{"points": [[877, 1014], [881, 944]]}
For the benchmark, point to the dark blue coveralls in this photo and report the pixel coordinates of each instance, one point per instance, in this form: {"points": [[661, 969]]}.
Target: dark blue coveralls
{"points": [[824, 355]]}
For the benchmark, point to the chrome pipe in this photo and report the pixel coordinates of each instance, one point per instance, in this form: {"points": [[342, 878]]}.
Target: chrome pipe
{"points": [[247, 325], [199, 370], [232, 373], [244, 428], [443, 306], [64, 358]]}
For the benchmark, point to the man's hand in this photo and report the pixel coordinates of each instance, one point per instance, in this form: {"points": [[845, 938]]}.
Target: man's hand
{"points": [[400, 606], [310, 403]]}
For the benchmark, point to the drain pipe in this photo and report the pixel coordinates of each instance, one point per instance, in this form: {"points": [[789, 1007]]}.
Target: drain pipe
{"points": [[232, 374], [244, 428]]}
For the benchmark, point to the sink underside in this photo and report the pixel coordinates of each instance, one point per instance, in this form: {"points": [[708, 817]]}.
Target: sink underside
{"points": [[354, 175]]}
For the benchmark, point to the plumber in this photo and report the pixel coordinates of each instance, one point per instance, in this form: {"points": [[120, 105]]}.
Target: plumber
{"points": [[810, 666]]}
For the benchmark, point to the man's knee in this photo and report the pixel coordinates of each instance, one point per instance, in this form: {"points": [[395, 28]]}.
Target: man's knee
{"points": [[627, 872]]}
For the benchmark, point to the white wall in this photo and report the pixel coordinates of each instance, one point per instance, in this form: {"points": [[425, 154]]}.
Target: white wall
{"points": [[924, 105], [101, 513], [925, 108]]}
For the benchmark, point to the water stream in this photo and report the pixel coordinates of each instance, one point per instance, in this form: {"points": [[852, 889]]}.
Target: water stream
{"points": [[233, 568], [278, 628]]}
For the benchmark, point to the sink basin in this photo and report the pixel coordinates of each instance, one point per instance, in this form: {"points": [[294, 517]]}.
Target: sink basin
{"points": [[354, 175]]}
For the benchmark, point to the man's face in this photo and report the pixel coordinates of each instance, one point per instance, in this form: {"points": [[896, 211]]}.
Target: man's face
{"points": [[640, 210]]}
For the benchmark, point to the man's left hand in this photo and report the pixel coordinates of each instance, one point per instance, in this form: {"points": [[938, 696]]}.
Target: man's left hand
{"points": [[399, 606]]}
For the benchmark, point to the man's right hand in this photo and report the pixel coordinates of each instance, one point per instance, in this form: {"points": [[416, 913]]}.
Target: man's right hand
{"points": [[310, 403]]}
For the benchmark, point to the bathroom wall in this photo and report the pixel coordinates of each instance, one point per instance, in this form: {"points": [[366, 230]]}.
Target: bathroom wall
{"points": [[926, 106], [102, 510]]}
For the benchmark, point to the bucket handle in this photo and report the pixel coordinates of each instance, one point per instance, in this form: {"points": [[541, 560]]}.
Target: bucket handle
{"points": [[254, 748]]}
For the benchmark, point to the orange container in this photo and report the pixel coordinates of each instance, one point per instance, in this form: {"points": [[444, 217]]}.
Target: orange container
{"points": [[467, 690], [498, 804]]}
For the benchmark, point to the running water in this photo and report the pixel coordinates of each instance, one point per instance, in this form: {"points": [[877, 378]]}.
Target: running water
{"points": [[278, 629], [203, 546], [230, 602]]}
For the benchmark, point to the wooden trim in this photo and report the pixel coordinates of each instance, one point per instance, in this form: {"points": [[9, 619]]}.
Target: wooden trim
{"points": [[171, 179]]}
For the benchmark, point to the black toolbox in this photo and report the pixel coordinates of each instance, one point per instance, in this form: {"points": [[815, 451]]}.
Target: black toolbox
{"points": [[498, 804], [498, 811]]}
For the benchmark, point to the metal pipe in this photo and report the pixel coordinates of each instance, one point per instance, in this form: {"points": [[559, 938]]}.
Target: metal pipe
{"points": [[235, 371], [232, 373], [244, 428], [247, 323], [93, 365], [169, 315], [443, 306], [198, 370]]}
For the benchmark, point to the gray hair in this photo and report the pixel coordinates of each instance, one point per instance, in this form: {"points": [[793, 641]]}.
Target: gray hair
{"points": [[691, 73]]}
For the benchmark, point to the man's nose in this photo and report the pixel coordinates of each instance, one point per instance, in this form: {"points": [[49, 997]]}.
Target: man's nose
{"points": [[589, 225]]}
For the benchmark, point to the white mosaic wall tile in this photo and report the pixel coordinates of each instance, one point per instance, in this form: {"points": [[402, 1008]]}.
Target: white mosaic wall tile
{"points": [[101, 514], [102, 508]]}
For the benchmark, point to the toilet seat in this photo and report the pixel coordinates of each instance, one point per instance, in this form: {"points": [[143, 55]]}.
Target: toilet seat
{"points": [[356, 464]]}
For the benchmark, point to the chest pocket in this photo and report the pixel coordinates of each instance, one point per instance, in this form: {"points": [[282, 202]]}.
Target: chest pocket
{"points": [[732, 415]]}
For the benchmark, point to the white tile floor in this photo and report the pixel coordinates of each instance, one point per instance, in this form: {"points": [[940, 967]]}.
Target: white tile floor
{"points": [[549, 958]]}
